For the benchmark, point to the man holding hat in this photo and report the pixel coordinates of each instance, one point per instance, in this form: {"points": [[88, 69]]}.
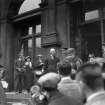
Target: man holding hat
{"points": [[90, 77], [39, 66]]}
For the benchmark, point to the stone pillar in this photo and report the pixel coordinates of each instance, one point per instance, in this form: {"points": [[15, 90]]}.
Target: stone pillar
{"points": [[7, 41], [63, 23], [49, 24], [51, 16]]}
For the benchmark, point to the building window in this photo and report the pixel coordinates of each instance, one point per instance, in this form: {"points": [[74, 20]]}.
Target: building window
{"points": [[38, 42], [38, 28], [30, 31], [91, 15], [31, 41]]}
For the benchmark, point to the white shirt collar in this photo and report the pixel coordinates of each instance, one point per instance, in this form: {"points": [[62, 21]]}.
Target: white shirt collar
{"points": [[65, 78], [95, 94]]}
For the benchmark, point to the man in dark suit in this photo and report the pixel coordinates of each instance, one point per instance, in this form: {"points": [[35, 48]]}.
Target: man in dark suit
{"points": [[90, 77], [51, 62], [68, 87]]}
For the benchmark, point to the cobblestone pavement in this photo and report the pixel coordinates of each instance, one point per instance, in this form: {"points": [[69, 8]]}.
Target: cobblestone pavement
{"points": [[14, 98]]}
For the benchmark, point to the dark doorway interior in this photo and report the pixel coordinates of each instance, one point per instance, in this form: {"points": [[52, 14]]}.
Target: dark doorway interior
{"points": [[92, 39]]}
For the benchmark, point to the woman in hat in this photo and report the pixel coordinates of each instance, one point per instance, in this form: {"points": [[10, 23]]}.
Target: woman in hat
{"points": [[29, 76]]}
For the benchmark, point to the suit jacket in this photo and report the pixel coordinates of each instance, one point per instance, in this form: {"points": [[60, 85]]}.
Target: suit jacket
{"points": [[97, 100], [72, 90], [51, 64]]}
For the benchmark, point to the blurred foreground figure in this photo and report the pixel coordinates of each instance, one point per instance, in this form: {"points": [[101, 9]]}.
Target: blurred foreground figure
{"points": [[38, 96], [68, 87], [2, 92], [4, 77], [90, 77], [48, 83], [74, 60], [57, 96], [91, 57], [51, 62]]}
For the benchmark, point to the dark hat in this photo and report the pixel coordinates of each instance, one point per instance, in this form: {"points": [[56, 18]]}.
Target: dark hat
{"points": [[103, 43], [90, 70], [49, 80], [27, 57], [1, 66]]}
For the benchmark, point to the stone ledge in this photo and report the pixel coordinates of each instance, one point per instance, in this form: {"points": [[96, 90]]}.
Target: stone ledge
{"points": [[18, 98]]}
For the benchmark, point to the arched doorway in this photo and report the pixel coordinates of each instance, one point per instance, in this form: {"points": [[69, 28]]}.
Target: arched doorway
{"points": [[10, 33]]}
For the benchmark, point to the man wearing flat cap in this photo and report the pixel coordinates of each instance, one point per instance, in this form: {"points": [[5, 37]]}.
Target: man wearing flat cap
{"points": [[90, 77], [49, 82]]}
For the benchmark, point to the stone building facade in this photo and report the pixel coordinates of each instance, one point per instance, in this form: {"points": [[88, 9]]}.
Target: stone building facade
{"points": [[56, 23]]}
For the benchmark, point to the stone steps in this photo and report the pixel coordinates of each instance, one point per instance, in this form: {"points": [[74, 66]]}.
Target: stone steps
{"points": [[14, 98]]}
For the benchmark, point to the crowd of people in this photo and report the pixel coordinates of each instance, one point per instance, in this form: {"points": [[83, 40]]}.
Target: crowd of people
{"points": [[74, 82], [69, 81]]}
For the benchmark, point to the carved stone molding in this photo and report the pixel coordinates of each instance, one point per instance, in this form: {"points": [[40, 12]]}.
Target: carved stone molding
{"points": [[50, 40]]}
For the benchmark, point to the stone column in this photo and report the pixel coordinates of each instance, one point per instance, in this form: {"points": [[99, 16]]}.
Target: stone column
{"points": [[49, 24], [51, 16]]}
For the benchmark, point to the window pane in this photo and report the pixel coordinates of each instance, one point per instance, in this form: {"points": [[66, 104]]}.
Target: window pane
{"points": [[38, 42], [26, 47], [91, 15], [30, 30], [30, 43], [30, 47], [38, 28], [38, 48]]}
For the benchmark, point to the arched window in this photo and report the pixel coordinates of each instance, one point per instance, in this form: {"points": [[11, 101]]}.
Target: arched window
{"points": [[29, 5]]}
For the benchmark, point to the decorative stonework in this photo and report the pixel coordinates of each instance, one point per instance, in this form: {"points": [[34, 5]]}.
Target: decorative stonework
{"points": [[50, 40]]}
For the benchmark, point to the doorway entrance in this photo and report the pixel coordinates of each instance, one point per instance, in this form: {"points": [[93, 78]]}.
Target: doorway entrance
{"points": [[91, 39]]}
